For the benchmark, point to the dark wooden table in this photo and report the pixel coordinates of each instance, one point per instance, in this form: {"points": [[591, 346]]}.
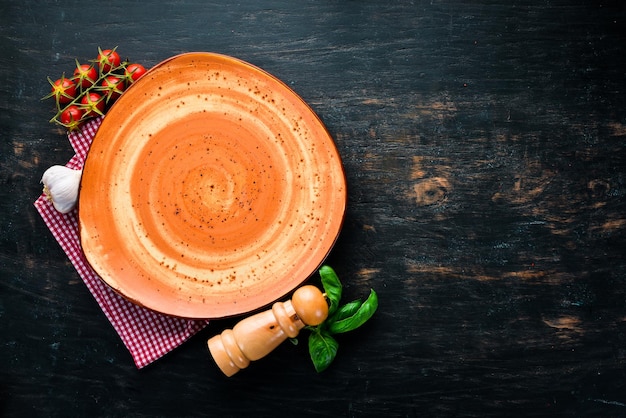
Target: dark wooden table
{"points": [[484, 145]]}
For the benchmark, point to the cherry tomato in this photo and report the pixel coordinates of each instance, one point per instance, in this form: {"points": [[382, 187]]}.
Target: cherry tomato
{"points": [[133, 72], [93, 104], [63, 90], [85, 75], [71, 117], [113, 86], [108, 59], [310, 305]]}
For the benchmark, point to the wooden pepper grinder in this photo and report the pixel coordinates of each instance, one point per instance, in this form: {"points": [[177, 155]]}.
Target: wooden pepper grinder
{"points": [[256, 336]]}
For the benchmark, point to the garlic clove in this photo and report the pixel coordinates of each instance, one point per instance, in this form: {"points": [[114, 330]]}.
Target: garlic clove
{"points": [[60, 185]]}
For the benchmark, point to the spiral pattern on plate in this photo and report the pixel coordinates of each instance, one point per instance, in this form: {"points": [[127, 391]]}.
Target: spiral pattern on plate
{"points": [[211, 189]]}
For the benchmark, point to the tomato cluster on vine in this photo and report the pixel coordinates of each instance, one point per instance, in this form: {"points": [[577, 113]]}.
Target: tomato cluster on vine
{"points": [[92, 88]]}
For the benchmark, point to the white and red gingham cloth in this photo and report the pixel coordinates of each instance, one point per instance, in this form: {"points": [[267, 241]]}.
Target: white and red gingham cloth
{"points": [[147, 335]]}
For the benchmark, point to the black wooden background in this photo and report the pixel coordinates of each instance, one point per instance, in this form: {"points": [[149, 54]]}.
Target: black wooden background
{"points": [[484, 144]]}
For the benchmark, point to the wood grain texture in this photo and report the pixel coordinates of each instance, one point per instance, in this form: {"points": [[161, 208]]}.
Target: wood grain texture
{"points": [[484, 145]]}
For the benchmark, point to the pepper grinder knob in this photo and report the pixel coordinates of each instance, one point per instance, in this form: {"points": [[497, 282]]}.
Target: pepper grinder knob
{"points": [[256, 336]]}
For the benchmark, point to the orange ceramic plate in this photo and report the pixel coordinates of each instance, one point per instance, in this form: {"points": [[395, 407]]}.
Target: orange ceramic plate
{"points": [[211, 189]]}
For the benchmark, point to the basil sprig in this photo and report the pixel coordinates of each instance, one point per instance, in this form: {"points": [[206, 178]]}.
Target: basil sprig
{"points": [[322, 345]]}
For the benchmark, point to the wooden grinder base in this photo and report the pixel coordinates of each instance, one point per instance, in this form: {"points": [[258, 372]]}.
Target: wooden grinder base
{"points": [[256, 336]]}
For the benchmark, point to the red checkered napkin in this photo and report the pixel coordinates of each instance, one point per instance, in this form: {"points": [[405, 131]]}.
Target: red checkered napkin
{"points": [[147, 335]]}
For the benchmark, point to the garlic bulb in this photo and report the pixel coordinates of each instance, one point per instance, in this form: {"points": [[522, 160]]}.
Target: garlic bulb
{"points": [[60, 185]]}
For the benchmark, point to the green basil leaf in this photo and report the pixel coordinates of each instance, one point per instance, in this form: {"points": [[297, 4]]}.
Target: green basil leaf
{"points": [[323, 349], [332, 287], [345, 311], [365, 312]]}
